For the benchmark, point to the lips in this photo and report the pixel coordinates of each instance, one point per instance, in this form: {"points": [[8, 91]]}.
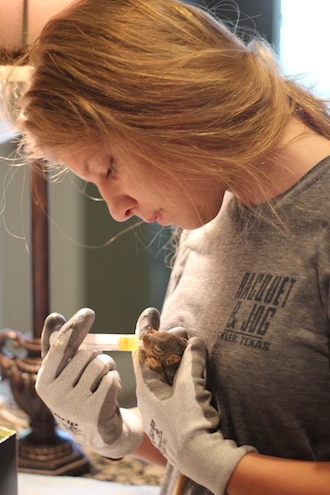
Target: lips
{"points": [[156, 217], [151, 219], [159, 218]]}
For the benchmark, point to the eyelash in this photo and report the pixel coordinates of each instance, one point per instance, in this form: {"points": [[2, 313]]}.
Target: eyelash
{"points": [[111, 169]]}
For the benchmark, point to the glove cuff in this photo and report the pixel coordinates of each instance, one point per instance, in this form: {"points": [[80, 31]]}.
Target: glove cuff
{"points": [[222, 458]]}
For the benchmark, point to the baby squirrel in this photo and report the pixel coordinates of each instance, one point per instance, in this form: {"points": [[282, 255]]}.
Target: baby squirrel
{"points": [[163, 352]]}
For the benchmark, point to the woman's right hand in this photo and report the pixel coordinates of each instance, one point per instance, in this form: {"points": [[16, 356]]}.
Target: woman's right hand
{"points": [[80, 387]]}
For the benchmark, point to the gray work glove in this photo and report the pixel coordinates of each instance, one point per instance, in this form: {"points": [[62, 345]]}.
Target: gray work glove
{"points": [[80, 386], [180, 420]]}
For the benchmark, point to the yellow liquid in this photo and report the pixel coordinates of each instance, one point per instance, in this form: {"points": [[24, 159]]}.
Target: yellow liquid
{"points": [[128, 343]]}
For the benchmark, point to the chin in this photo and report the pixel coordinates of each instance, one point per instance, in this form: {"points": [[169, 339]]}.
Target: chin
{"points": [[192, 224], [197, 221]]}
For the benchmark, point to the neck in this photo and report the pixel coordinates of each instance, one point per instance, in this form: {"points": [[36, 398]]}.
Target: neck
{"points": [[300, 150]]}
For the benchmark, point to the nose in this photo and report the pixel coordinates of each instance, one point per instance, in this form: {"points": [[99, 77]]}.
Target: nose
{"points": [[121, 208]]}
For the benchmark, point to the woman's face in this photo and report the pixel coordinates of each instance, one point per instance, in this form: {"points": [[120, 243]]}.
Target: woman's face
{"points": [[132, 186]]}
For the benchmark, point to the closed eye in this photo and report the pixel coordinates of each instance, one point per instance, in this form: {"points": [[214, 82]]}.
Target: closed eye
{"points": [[111, 168], [157, 350]]}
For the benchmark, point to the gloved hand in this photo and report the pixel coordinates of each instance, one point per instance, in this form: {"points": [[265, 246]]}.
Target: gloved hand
{"points": [[80, 386], [180, 420]]}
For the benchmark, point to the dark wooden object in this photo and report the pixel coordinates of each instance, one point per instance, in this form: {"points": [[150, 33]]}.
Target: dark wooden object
{"points": [[8, 459], [40, 248]]}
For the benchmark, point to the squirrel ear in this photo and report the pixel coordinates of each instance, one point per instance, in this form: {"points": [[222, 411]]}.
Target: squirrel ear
{"points": [[172, 359]]}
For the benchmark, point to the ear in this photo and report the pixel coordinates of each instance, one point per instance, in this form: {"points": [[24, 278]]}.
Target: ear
{"points": [[172, 359]]}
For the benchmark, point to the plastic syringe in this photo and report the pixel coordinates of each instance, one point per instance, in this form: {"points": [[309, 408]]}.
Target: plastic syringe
{"points": [[107, 341]]}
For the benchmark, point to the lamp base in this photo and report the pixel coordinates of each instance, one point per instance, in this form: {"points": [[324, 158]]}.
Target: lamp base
{"points": [[62, 457]]}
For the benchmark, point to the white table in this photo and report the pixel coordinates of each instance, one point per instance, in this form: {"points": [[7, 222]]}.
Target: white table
{"points": [[35, 484]]}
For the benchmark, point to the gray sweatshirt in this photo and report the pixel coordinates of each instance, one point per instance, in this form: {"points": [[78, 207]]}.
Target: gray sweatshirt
{"points": [[254, 284]]}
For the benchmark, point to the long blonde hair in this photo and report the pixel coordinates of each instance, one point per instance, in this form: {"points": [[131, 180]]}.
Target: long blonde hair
{"points": [[166, 79]]}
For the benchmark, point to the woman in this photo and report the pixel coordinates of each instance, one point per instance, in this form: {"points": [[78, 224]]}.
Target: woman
{"points": [[177, 121]]}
